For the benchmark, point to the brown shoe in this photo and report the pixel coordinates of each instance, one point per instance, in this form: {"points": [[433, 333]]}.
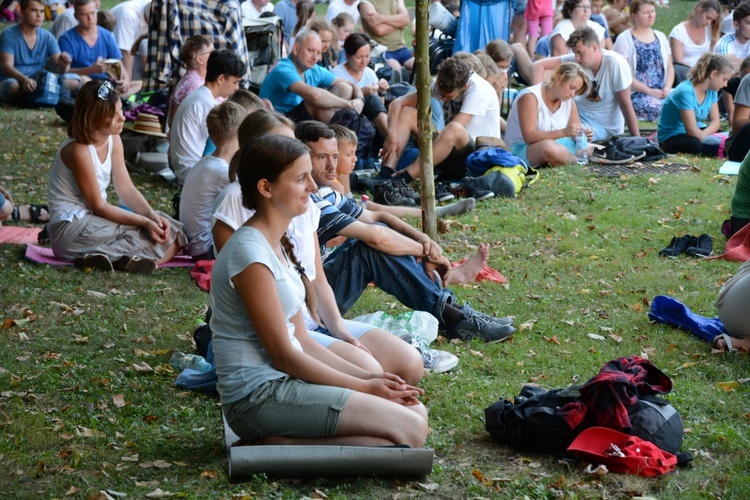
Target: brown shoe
{"points": [[94, 261], [135, 265]]}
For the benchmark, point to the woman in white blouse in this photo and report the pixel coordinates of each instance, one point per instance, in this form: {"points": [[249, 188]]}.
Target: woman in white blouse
{"points": [[692, 38], [576, 13]]}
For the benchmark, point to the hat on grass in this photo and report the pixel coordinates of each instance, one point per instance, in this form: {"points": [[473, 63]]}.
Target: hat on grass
{"points": [[622, 453], [146, 123]]}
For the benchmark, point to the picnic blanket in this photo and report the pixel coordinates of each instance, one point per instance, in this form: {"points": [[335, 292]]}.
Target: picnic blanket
{"points": [[19, 235], [42, 255], [738, 246]]}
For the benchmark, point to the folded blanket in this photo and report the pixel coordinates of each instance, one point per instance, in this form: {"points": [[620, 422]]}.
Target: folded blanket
{"points": [[738, 246], [673, 312]]}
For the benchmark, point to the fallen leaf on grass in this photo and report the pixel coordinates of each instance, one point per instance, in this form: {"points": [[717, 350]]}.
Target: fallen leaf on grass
{"points": [[142, 367], [119, 400], [130, 458], [158, 493], [616, 338], [595, 336], [553, 340], [72, 491], [476, 353], [86, 432], [96, 294], [728, 386], [80, 339], [528, 325], [429, 486], [210, 474], [319, 494]]}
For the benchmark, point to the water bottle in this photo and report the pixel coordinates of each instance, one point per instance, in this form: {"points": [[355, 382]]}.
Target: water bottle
{"points": [[582, 148], [180, 361]]}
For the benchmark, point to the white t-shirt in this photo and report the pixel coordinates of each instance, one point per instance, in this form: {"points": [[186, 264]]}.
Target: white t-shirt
{"points": [[250, 12], [336, 7], [546, 120], [565, 27], [728, 45], [187, 137], [480, 101], [63, 23], [131, 22], [202, 185], [230, 211], [368, 76], [614, 76], [690, 51]]}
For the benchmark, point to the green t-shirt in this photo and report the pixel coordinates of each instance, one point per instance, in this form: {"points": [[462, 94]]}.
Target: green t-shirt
{"points": [[393, 41], [741, 198]]}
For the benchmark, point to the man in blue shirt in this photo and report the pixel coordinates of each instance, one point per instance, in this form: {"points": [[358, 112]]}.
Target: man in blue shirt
{"points": [[26, 49], [302, 90], [90, 45]]}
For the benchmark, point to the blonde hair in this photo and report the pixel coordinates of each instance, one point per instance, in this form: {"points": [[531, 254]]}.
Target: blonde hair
{"points": [[499, 50], [489, 65], [567, 72], [224, 120], [344, 135], [707, 64], [257, 123], [472, 62], [704, 6]]}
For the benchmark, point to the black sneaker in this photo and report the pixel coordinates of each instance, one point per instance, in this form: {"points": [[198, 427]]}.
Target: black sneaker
{"points": [[442, 193], [407, 191], [471, 189], [678, 245], [476, 325], [610, 155], [388, 194], [702, 247]]}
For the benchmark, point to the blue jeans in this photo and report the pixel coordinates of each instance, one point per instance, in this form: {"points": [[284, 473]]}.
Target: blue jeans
{"points": [[352, 266]]}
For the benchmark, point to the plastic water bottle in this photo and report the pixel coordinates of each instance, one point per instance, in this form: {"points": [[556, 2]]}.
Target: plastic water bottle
{"points": [[582, 148], [180, 361]]}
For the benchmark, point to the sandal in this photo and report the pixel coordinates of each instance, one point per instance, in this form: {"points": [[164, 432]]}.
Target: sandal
{"points": [[35, 212], [727, 340]]}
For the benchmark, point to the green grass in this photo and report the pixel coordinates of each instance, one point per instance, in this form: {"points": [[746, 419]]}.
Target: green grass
{"points": [[60, 427]]}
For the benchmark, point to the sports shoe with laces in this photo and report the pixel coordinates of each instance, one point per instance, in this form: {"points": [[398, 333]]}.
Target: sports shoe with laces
{"points": [[387, 194], [471, 189], [610, 155], [678, 246], [434, 360], [475, 325], [703, 246], [406, 190], [442, 193]]}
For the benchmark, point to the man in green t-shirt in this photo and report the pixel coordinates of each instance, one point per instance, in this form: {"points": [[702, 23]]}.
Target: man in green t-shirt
{"points": [[385, 21]]}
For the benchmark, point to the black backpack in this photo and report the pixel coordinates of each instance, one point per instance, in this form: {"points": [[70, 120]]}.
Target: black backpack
{"points": [[361, 126], [532, 421]]}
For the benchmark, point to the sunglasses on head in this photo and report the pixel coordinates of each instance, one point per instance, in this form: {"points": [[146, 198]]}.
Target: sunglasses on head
{"points": [[104, 90]]}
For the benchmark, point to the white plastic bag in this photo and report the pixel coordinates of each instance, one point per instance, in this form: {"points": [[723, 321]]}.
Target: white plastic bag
{"points": [[404, 325]]}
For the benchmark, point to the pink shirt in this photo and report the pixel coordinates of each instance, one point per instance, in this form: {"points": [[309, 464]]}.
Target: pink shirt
{"points": [[188, 84]]}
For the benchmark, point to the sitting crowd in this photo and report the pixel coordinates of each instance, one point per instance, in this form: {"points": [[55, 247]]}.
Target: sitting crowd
{"points": [[266, 180]]}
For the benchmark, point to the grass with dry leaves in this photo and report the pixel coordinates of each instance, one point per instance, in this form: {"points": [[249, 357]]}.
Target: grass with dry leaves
{"points": [[88, 402]]}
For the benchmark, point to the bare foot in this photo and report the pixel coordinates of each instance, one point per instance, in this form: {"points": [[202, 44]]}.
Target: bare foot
{"points": [[739, 344], [467, 272]]}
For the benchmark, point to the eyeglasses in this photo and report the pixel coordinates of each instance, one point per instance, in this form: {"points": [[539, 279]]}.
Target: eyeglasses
{"points": [[584, 7], [104, 90], [594, 92], [438, 94]]}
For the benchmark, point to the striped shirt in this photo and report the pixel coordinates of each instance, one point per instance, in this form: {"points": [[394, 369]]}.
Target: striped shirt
{"points": [[336, 213]]}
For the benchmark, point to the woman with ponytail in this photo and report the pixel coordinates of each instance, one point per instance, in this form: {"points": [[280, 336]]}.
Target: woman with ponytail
{"points": [[277, 385], [690, 114]]}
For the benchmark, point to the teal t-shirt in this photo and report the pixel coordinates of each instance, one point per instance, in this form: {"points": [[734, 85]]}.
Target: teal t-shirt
{"points": [[683, 98], [276, 85]]}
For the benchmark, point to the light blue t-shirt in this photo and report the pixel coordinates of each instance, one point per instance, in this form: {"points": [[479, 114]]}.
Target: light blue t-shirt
{"points": [[276, 85], [683, 97], [25, 60], [368, 76], [242, 363], [84, 56]]}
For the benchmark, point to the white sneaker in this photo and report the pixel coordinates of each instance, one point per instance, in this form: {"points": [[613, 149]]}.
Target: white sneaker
{"points": [[438, 361]]}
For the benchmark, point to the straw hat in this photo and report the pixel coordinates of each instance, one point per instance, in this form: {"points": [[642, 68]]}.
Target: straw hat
{"points": [[148, 124]]}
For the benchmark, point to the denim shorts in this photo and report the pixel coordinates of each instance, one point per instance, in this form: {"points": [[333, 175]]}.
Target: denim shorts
{"points": [[287, 407], [401, 55], [323, 337]]}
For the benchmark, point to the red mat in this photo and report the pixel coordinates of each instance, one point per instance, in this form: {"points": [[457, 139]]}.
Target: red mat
{"points": [[43, 255], [19, 235]]}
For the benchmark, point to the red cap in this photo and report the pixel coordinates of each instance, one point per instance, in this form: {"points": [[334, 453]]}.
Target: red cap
{"points": [[622, 453]]}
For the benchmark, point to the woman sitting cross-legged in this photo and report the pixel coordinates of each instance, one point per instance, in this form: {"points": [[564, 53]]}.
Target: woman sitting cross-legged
{"points": [[83, 226], [731, 305], [543, 121], [690, 114], [650, 58], [277, 385]]}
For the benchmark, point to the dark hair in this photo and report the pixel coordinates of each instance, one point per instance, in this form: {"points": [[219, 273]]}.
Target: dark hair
{"points": [[741, 12], [108, 21], [278, 153], [584, 34], [224, 62], [305, 10], [568, 7], [81, 3], [354, 42], [24, 4], [192, 47], [313, 131], [257, 123], [452, 74], [91, 112]]}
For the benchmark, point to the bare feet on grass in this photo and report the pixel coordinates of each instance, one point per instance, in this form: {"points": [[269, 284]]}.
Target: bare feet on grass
{"points": [[738, 344], [467, 272]]}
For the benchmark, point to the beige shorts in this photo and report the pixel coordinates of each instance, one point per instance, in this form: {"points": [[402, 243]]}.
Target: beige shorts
{"points": [[94, 234], [287, 407]]}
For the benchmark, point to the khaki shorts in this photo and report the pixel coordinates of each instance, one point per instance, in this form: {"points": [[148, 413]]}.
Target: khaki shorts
{"points": [[287, 407]]}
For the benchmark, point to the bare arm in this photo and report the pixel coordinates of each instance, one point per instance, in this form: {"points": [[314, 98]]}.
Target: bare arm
{"points": [[626, 106], [221, 233], [320, 98], [527, 113], [691, 124], [391, 146], [542, 65], [430, 248], [7, 66], [384, 239], [676, 47], [559, 47], [669, 79], [740, 117], [381, 24]]}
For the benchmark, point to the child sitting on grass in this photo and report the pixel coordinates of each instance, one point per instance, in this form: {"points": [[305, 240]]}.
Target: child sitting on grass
{"points": [[208, 177], [690, 114], [347, 141]]}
